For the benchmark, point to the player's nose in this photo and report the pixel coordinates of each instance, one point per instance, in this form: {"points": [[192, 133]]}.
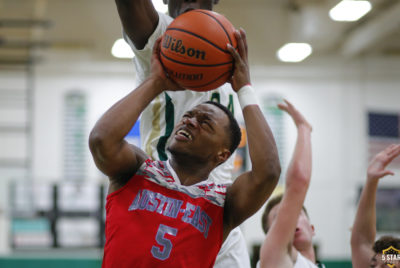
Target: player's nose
{"points": [[191, 121]]}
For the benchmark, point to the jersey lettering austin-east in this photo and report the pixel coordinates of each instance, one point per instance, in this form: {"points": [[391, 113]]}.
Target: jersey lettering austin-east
{"points": [[153, 221]]}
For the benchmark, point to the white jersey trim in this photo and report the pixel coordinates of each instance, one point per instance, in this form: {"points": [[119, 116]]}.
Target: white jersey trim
{"points": [[159, 173]]}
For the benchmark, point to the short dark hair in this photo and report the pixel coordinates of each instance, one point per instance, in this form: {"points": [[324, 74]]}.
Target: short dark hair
{"points": [[270, 205], [234, 129], [385, 242]]}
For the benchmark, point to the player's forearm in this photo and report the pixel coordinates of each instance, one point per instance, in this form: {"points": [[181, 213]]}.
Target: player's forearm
{"points": [[134, 9], [262, 147], [111, 129], [298, 179], [364, 228], [139, 20], [299, 171]]}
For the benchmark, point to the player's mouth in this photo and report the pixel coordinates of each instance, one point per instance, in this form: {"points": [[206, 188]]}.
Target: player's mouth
{"points": [[183, 135]]}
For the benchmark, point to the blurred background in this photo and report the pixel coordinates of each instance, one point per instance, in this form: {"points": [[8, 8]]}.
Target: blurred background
{"points": [[58, 76]]}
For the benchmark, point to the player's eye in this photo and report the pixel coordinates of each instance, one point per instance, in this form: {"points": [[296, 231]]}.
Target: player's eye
{"points": [[187, 115], [205, 123]]}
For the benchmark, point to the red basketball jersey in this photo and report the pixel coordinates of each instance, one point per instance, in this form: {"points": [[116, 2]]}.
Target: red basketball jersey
{"points": [[154, 221]]}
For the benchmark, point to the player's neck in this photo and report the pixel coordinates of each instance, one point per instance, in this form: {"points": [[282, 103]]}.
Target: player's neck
{"points": [[189, 172], [308, 252]]}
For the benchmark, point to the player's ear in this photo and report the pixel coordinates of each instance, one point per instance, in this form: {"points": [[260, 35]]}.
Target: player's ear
{"points": [[166, 2], [223, 156]]}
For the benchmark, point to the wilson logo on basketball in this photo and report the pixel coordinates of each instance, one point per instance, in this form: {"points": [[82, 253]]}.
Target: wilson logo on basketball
{"points": [[177, 46]]}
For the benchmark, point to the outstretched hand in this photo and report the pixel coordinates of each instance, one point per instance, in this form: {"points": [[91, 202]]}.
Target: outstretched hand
{"points": [[298, 118], [241, 73], [377, 167], [158, 72]]}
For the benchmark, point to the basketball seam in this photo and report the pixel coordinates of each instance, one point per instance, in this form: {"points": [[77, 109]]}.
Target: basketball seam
{"points": [[198, 36], [195, 65], [210, 82], [220, 24]]}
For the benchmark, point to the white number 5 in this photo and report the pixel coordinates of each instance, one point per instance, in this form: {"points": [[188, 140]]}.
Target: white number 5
{"points": [[156, 251]]}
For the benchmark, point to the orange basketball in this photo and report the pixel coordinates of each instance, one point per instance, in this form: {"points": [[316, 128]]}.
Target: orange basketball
{"points": [[193, 50]]}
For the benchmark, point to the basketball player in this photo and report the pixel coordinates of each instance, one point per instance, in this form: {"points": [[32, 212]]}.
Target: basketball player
{"points": [[288, 229], [166, 214], [142, 25], [364, 252], [303, 244]]}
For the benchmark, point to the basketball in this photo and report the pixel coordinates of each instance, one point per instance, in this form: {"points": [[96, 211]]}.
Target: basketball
{"points": [[193, 50]]}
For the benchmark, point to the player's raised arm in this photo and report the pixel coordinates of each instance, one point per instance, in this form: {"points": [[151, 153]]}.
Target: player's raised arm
{"points": [[251, 189], [139, 19], [111, 153], [364, 228], [275, 249]]}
